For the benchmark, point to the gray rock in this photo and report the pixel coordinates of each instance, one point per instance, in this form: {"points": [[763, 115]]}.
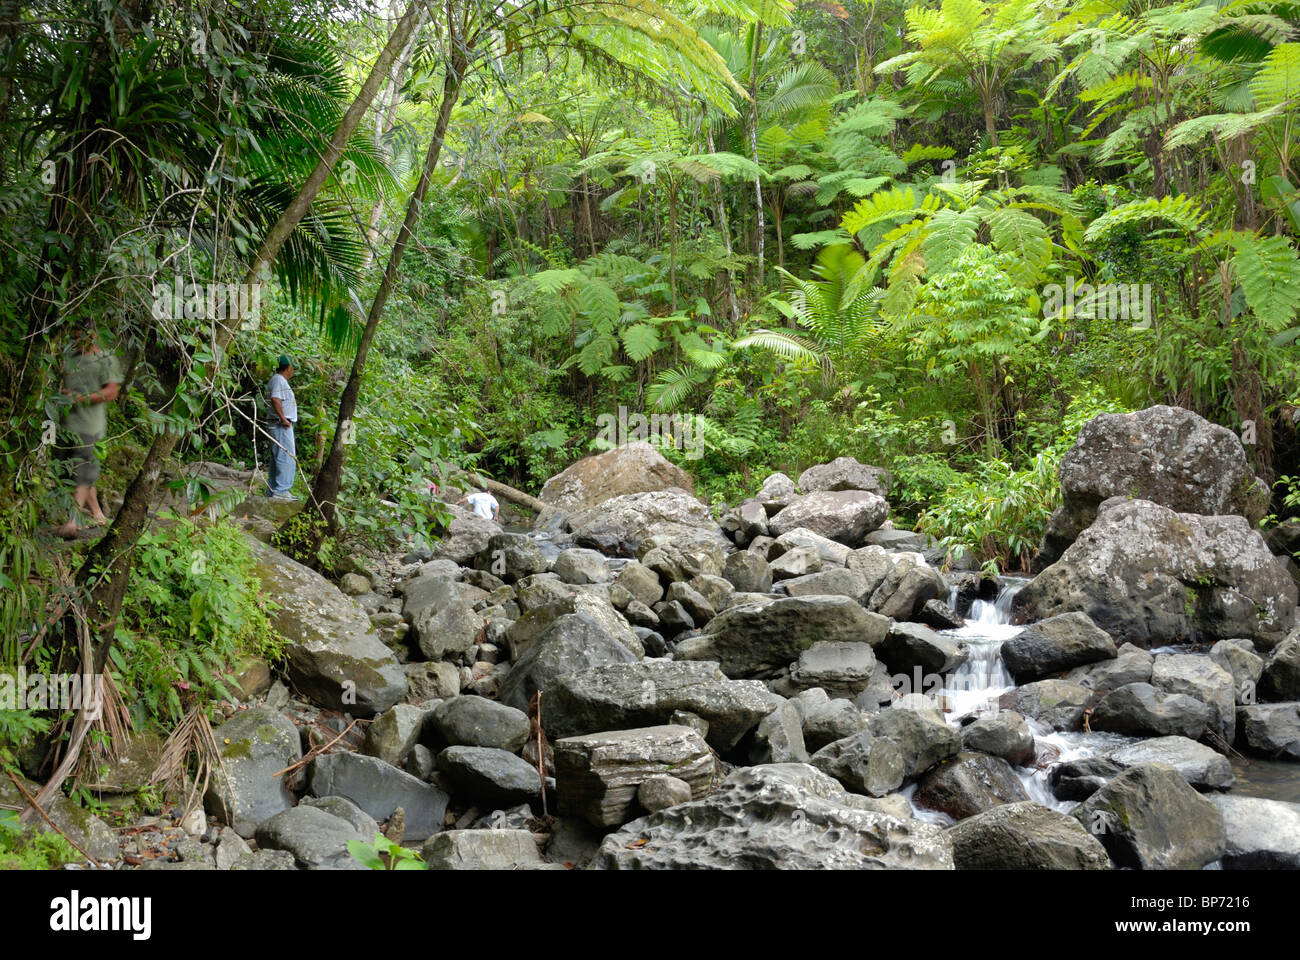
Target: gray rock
{"points": [[1238, 657], [647, 693], [751, 639], [661, 792], [1131, 665], [907, 646], [255, 745], [795, 564], [572, 643], [907, 585], [1054, 645], [354, 584], [748, 573], [448, 631], [830, 720], [489, 774], [624, 522], [1199, 677], [832, 553], [940, 616], [466, 536], [1262, 834], [1149, 818], [266, 860], [332, 654], [1150, 576], [482, 850], [692, 600], [781, 816], [1004, 734], [1201, 766], [317, 839], [634, 467], [1024, 836], [230, 847], [437, 680], [379, 788], [345, 809], [840, 668], [597, 774], [1057, 703], [969, 783], [920, 732], [778, 738], [422, 762], [777, 488], [392, 735], [837, 581], [844, 473], [478, 722], [1270, 729], [845, 516], [1141, 710], [641, 582], [1281, 677], [578, 565], [863, 764]]}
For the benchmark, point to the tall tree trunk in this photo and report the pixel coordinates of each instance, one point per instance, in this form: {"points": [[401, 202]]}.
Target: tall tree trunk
{"points": [[325, 488], [107, 566], [761, 224], [732, 307]]}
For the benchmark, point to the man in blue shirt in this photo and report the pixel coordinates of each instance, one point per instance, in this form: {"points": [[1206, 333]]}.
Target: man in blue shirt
{"points": [[284, 414]]}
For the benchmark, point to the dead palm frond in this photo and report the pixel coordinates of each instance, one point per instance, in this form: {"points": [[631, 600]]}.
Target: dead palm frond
{"points": [[192, 738]]}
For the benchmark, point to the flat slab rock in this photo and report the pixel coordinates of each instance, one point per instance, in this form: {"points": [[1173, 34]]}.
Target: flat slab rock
{"points": [[334, 656], [597, 775], [623, 695], [775, 817]]}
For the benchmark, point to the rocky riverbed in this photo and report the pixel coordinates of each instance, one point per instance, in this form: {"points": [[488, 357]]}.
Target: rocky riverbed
{"points": [[640, 682]]}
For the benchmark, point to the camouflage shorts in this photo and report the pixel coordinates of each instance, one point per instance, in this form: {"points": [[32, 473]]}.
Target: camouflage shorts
{"points": [[81, 460]]}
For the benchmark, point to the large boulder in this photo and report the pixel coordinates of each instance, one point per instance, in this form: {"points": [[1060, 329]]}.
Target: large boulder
{"points": [[754, 639], [1201, 766], [379, 789], [634, 468], [908, 647], [624, 695], [1024, 836], [255, 745], [1149, 818], [478, 722], [1002, 733], [1140, 710], [1166, 455], [317, 839], [489, 775], [482, 850], [620, 524], [919, 730], [1280, 679], [842, 669], [778, 816], [572, 643], [597, 774], [1262, 834], [863, 764], [897, 585], [845, 516], [1054, 645], [969, 783], [845, 473], [333, 655], [466, 536], [1270, 730], [1057, 703], [1200, 678], [1148, 575]]}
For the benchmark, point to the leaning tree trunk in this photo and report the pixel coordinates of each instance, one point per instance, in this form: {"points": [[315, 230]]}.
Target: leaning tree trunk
{"points": [[306, 538], [107, 567]]}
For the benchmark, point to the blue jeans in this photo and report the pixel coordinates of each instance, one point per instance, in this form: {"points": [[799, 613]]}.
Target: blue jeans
{"points": [[280, 464]]}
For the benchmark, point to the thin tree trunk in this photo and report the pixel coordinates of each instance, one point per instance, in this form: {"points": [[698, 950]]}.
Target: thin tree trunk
{"points": [[107, 567], [753, 147], [329, 479], [732, 306]]}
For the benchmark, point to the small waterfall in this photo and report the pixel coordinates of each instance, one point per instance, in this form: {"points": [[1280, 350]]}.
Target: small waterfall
{"points": [[983, 676]]}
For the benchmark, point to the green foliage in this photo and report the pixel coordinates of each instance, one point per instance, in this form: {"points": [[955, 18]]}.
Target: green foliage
{"points": [[31, 849], [193, 609], [383, 854]]}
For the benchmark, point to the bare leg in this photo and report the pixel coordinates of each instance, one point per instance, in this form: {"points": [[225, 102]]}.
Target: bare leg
{"points": [[81, 496], [96, 512]]}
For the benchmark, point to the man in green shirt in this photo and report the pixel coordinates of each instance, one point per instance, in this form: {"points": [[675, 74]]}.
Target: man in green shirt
{"points": [[91, 378]]}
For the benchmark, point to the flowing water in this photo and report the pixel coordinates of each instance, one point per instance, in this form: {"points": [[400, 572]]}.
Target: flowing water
{"points": [[982, 679]]}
